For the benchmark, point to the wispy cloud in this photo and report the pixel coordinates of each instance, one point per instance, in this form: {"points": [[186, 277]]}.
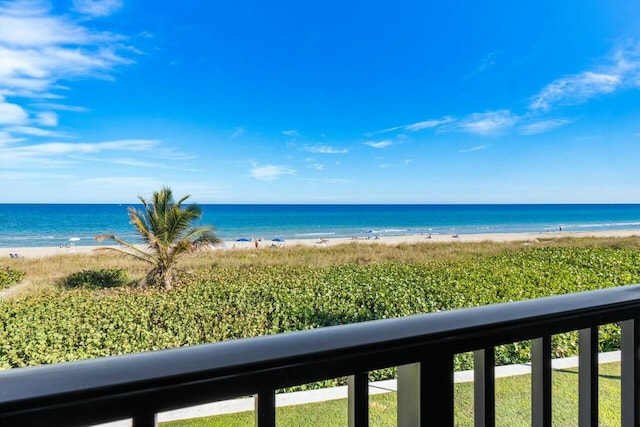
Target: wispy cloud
{"points": [[238, 132], [40, 48], [413, 127], [325, 149], [11, 114], [97, 7], [60, 154], [404, 163], [269, 172], [291, 133], [487, 61], [479, 147], [489, 123], [316, 166], [575, 89], [47, 119], [542, 126], [379, 144], [619, 70], [33, 131]]}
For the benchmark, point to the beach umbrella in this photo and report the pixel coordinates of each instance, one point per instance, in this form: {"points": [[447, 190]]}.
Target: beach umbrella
{"points": [[74, 239], [278, 239], [243, 239]]}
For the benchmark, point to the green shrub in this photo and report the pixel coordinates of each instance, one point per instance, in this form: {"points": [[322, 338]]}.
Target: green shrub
{"points": [[10, 276], [228, 303], [96, 279]]}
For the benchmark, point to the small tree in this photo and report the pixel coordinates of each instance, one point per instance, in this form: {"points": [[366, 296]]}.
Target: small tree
{"points": [[166, 228]]}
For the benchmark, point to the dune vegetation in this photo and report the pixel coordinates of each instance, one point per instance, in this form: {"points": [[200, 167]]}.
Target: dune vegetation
{"points": [[82, 306]]}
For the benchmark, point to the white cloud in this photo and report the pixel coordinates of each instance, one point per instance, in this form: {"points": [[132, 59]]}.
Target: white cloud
{"points": [[379, 144], [542, 126], [47, 119], [292, 133], [60, 154], [34, 131], [620, 70], [61, 107], [469, 150], [325, 149], [404, 163], [11, 114], [269, 172], [316, 166], [414, 127], [428, 124], [97, 7], [6, 138], [575, 89], [39, 49], [489, 123]]}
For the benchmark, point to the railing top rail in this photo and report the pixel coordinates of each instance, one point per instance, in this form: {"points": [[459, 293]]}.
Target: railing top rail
{"points": [[314, 353]]}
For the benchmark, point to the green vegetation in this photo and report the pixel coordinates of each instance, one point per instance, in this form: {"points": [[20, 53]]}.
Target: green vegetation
{"points": [[513, 405], [217, 302], [165, 227], [96, 279], [10, 276]]}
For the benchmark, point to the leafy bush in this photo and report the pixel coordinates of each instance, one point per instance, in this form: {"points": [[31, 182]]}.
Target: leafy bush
{"points": [[10, 276], [96, 279], [229, 303]]}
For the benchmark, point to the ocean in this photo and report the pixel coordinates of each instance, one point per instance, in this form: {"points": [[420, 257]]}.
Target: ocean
{"points": [[28, 225]]}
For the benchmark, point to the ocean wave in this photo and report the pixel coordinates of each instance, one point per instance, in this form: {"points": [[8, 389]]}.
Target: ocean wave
{"points": [[609, 224], [314, 234]]}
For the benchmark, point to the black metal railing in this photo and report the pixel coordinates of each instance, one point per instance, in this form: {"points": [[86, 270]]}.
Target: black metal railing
{"points": [[140, 385]]}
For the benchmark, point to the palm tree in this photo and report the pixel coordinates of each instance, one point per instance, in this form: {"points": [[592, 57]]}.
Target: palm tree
{"points": [[166, 228]]}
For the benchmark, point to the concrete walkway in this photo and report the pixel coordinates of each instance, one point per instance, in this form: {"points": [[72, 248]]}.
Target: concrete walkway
{"points": [[321, 395]]}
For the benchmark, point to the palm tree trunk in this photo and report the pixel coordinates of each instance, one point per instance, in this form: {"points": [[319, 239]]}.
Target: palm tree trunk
{"points": [[166, 277]]}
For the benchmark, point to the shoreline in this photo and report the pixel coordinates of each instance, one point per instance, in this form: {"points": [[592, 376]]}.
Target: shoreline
{"points": [[49, 251]]}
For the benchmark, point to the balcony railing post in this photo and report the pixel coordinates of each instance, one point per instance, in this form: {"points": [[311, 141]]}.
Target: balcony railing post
{"points": [[265, 409], [630, 370], [484, 395], [145, 420], [588, 377], [358, 399], [409, 381], [541, 382], [425, 392]]}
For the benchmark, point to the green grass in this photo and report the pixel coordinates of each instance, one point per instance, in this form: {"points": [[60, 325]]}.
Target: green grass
{"points": [[513, 405]]}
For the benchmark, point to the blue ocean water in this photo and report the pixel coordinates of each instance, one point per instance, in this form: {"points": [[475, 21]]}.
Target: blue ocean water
{"points": [[55, 224]]}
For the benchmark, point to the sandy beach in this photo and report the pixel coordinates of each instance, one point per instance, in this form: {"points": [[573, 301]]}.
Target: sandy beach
{"points": [[39, 252]]}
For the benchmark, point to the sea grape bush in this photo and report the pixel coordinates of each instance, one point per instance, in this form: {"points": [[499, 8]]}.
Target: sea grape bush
{"points": [[10, 276], [96, 279], [227, 303]]}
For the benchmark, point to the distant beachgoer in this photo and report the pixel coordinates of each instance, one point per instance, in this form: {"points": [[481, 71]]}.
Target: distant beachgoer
{"points": [[256, 243], [560, 227]]}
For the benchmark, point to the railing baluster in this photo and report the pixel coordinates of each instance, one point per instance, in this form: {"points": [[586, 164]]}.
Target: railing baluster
{"points": [[358, 387], [630, 372], [484, 395], [408, 395], [145, 420], [425, 392], [541, 382], [588, 377], [265, 409]]}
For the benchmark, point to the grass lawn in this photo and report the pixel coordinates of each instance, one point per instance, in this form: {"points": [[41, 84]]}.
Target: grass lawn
{"points": [[513, 405]]}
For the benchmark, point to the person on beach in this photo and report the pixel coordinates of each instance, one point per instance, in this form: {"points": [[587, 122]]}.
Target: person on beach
{"points": [[256, 243]]}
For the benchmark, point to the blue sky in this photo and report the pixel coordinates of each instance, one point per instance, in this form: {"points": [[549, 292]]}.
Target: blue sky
{"points": [[320, 102]]}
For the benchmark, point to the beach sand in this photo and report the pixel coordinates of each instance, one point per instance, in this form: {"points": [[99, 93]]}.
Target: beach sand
{"points": [[39, 252]]}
